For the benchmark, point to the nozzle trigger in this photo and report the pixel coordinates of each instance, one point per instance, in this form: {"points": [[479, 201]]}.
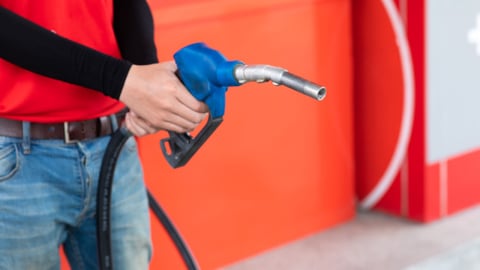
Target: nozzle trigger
{"points": [[183, 146]]}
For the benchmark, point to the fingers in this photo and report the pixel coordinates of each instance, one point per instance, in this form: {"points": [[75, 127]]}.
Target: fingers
{"points": [[137, 125], [181, 124], [186, 111], [185, 117], [141, 127], [190, 101], [184, 96], [189, 108]]}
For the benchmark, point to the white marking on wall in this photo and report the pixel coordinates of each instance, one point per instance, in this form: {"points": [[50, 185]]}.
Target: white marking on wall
{"points": [[401, 147], [474, 35]]}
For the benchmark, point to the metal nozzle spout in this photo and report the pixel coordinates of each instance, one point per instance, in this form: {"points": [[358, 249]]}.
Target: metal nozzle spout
{"points": [[278, 76]]}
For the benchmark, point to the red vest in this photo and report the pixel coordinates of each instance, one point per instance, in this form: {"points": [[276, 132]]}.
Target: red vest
{"points": [[31, 97]]}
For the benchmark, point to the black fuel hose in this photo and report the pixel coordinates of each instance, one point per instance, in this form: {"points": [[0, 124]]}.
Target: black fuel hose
{"points": [[104, 194]]}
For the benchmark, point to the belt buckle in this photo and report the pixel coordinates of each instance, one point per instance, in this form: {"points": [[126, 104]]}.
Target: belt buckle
{"points": [[66, 134]]}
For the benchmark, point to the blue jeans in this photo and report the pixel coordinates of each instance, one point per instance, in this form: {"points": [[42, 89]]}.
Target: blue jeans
{"points": [[48, 199]]}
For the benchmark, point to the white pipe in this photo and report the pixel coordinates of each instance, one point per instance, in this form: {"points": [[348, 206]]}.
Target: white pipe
{"points": [[408, 106]]}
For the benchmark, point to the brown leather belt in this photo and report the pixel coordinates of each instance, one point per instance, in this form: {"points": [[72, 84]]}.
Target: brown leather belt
{"points": [[68, 131]]}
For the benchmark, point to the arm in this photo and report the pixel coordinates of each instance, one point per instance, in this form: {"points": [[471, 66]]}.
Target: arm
{"points": [[152, 91], [32, 47], [133, 26]]}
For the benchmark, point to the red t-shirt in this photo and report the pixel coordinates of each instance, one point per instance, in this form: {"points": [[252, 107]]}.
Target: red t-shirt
{"points": [[27, 96]]}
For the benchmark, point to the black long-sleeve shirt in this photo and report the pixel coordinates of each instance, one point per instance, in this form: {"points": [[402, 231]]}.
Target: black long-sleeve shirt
{"points": [[34, 48]]}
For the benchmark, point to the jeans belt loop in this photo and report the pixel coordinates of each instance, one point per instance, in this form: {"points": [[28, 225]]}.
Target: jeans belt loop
{"points": [[26, 139]]}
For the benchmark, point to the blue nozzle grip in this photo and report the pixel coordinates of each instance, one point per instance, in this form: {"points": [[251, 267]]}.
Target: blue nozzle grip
{"points": [[206, 74]]}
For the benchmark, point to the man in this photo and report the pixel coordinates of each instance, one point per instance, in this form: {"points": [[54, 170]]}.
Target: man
{"points": [[67, 70]]}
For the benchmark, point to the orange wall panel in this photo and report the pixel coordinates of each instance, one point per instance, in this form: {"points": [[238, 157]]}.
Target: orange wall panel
{"points": [[281, 165]]}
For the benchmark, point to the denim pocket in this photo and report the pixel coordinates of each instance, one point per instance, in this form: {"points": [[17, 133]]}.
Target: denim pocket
{"points": [[8, 161]]}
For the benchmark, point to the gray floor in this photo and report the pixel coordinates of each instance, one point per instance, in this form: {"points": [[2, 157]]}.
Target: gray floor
{"points": [[375, 241]]}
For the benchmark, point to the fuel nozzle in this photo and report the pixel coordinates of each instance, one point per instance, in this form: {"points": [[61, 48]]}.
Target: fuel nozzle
{"points": [[278, 76], [207, 75]]}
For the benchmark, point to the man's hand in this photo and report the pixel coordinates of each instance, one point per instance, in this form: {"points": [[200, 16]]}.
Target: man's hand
{"points": [[138, 126], [158, 100]]}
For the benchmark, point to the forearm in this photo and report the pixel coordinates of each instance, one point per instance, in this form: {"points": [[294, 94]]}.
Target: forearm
{"points": [[34, 48]]}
